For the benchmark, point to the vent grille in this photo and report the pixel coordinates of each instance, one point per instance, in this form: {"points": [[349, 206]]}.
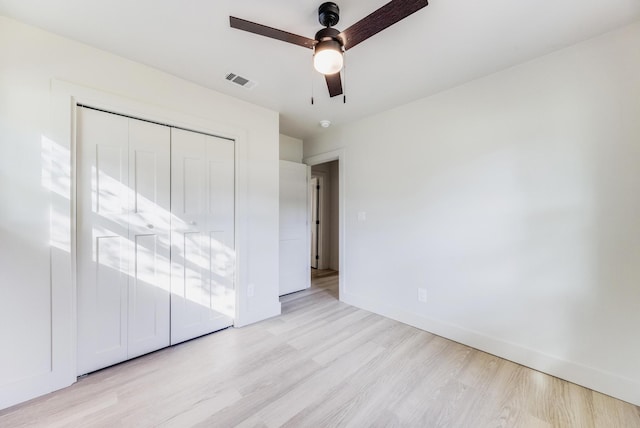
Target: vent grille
{"points": [[240, 81]]}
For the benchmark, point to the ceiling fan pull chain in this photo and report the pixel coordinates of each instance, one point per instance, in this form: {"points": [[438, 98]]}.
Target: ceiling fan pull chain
{"points": [[344, 78], [312, 76]]}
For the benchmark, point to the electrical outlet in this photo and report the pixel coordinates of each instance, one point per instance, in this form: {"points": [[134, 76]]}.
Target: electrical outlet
{"points": [[251, 290], [422, 295]]}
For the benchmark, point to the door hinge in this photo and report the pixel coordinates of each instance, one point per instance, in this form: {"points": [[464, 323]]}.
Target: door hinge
{"points": [[317, 221], [318, 187], [317, 257]]}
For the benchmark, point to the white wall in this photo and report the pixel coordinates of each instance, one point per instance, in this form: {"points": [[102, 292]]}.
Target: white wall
{"points": [[36, 295], [514, 200], [290, 149]]}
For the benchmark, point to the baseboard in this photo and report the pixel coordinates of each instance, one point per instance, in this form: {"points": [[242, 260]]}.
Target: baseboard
{"points": [[607, 383], [251, 317], [32, 387]]}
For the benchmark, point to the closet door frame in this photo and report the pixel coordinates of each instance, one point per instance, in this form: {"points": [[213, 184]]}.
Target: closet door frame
{"points": [[61, 166]]}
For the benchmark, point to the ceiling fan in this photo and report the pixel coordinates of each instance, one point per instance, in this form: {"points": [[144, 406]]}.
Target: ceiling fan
{"points": [[330, 44]]}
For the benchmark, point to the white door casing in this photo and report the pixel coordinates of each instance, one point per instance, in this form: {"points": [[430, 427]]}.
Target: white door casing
{"points": [[313, 190]]}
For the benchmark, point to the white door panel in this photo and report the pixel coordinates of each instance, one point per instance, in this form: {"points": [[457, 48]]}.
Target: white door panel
{"points": [[147, 319], [103, 253], [294, 228], [123, 238], [222, 272], [110, 296], [294, 265], [221, 229], [203, 254], [149, 228]]}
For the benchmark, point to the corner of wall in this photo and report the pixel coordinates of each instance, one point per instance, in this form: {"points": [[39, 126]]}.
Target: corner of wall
{"points": [[291, 148]]}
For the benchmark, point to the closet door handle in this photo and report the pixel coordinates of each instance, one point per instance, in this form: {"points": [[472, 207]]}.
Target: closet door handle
{"points": [[192, 223], [150, 226]]}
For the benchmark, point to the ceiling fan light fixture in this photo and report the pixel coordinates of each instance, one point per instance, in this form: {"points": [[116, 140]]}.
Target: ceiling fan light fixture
{"points": [[327, 58], [329, 44]]}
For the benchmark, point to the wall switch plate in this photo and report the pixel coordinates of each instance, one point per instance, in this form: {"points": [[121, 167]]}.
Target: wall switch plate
{"points": [[422, 295], [251, 290], [362, 216]]}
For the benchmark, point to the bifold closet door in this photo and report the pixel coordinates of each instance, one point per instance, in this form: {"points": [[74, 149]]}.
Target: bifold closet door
{"points": [[203, 247], [149, 237], [123, 267]]}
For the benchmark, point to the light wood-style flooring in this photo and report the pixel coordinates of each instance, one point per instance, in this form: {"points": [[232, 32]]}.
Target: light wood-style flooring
{"points": [[322, 363]]}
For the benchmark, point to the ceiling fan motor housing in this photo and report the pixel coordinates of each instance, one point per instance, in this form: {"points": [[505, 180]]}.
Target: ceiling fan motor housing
{"points": [[328, 14], [328, 51], [329, 38]]}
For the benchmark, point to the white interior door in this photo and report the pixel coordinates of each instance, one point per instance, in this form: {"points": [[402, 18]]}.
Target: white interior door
{"points": [[295, 274], [123, 232], [203, 247]]}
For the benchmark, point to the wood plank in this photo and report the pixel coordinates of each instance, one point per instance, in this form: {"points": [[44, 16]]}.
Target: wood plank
{"points": [[322, 363]]}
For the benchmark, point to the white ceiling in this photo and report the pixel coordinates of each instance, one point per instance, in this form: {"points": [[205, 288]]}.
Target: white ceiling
{"points": [[445, 44]]}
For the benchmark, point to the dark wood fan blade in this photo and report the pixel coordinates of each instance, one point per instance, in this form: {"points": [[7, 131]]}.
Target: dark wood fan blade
{"points": [[334, 83], [263, 30], [382, 18]]}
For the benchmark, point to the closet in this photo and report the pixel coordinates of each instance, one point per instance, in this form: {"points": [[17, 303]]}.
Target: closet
{"points": [[155, 228]]}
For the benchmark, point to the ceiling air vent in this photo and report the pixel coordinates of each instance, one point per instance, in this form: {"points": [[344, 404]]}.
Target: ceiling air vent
{"points": [[241, 81]]}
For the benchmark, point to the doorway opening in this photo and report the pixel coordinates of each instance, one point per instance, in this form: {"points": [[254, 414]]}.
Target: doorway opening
{"points": [[325, 226]]}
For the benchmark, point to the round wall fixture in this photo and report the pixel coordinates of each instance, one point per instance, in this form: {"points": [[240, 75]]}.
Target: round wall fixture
{"points": [[325, 123]]}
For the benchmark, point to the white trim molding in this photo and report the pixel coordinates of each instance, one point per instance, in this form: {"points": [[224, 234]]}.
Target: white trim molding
{"points": [[340, 156], [589, 377]]}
